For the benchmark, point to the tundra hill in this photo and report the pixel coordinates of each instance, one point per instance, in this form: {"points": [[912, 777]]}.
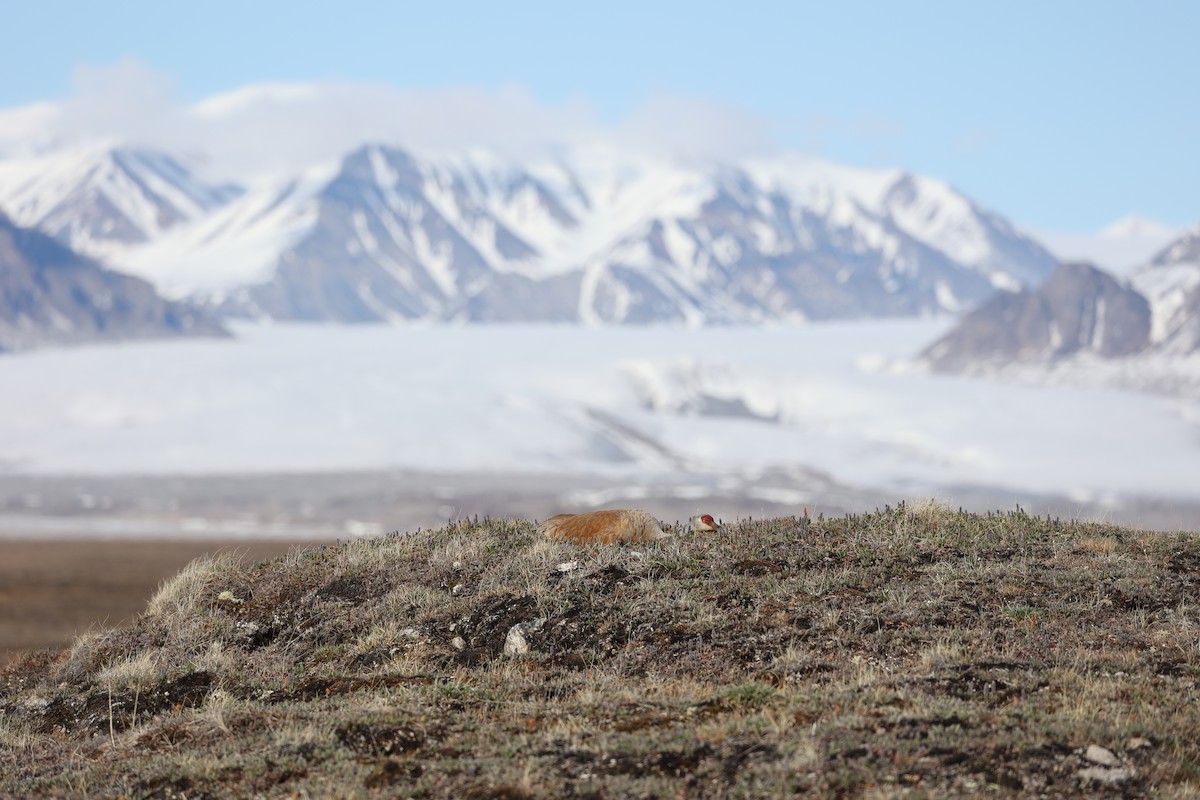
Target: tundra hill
{"points": [[914, 650]]}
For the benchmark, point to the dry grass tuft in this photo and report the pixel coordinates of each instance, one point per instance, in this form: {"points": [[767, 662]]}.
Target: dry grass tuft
{"points": [[1100, 546], [137, 670], [196, 585]]}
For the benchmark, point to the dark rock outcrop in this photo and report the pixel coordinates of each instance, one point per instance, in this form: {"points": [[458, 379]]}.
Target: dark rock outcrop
{"points": [[50, 294], [1078, 310]]}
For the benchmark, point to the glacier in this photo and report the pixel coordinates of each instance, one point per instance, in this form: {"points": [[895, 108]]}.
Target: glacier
{"points": [[635, 404]]}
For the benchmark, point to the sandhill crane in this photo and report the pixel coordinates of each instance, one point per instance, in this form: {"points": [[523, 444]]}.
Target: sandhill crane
{"points": [[615, 525]]}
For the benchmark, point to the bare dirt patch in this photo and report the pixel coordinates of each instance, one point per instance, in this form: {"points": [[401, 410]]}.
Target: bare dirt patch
{"points": [[54, 590]]}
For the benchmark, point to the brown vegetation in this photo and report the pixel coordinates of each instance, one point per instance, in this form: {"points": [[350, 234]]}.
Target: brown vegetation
{"points": [[913, 651], [53, 590]]}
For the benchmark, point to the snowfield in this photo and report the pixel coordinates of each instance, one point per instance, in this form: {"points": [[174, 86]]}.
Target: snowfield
{"points": [[631, 403]]}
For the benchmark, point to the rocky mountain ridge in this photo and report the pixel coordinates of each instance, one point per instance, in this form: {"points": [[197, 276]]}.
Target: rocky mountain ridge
{"points": [[51, 295], [101, 199]]}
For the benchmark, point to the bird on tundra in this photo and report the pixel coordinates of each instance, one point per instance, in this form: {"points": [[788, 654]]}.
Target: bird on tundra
{"points": [[615, 525]]}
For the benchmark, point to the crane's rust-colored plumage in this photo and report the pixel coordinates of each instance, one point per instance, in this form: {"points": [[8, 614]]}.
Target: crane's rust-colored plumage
{"points": [[603, 527], [616, 525]]}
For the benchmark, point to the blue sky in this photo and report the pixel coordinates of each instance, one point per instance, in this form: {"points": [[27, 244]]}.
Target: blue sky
{"points": [[1060, 115]]}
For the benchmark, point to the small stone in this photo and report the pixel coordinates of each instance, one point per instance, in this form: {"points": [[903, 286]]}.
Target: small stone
{"points": [[1100, 755], [568, 566], [1138, 742], [457, 589], [458, 643]]}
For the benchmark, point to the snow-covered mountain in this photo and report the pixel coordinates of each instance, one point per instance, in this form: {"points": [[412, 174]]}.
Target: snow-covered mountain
{"points": [[1171, 281], [1183, 250], [100, 199], [590, 235]]}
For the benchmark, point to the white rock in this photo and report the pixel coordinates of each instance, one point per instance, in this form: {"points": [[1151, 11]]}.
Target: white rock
{"points": [[516, 643], [1100, 755], [458, 643], [1137, 743], [1105, 774], [568, 566]]}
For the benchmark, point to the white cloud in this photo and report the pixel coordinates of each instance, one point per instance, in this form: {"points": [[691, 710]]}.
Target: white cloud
{"points": [[23, 129], [119, 100], [692, 127], [1119, 247], [282, 127]]}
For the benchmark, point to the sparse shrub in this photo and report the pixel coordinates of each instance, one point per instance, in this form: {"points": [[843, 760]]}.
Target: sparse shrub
{"points": [[749, 695]]}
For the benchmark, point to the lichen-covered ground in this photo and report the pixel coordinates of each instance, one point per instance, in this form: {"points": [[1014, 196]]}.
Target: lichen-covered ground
{"points": [[912, 651]]}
